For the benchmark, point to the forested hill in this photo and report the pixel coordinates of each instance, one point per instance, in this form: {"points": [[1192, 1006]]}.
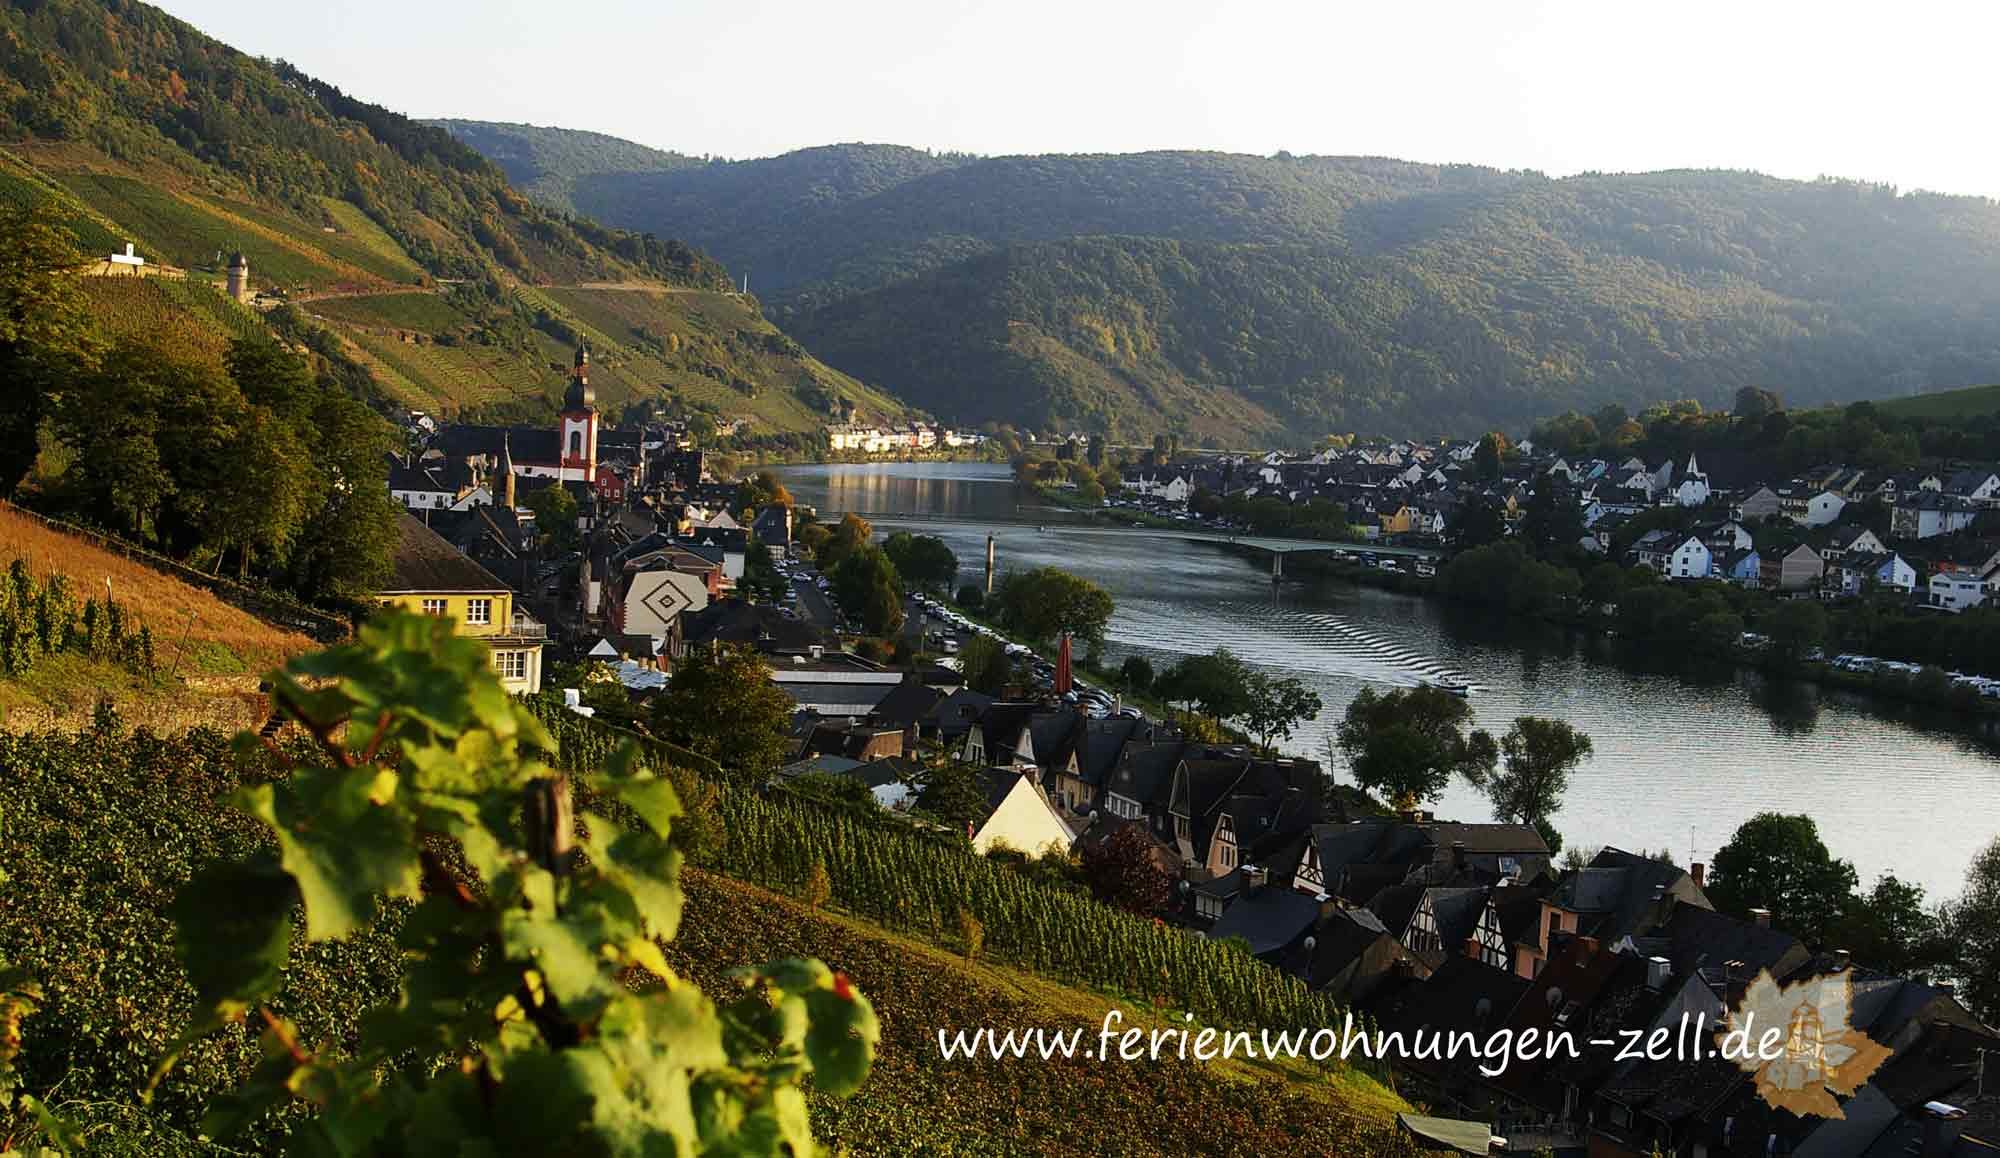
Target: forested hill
{"points": [[125, 88], [546, 164], [1301, 295]]}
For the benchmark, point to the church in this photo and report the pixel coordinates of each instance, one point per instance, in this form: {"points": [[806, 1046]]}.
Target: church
{"points": [[576, 450]]}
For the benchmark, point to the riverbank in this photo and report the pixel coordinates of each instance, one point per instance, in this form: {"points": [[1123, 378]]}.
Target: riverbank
{"points": [[1929, 691]]}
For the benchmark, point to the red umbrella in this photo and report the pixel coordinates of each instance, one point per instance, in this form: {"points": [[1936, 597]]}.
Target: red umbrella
{"points": [[1062, 666]]}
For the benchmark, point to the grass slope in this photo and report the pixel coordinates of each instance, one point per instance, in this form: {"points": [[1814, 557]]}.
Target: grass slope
{"points": [[219, 639], [916, 1102]]}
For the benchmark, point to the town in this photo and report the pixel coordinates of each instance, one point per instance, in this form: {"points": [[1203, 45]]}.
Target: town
{"points": [[1417, 921]]}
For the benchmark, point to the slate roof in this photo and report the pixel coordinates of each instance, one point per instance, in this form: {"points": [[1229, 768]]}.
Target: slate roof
{"points": [[911, 702], [734, 621], [425, 563], [1344, 935], [1271, 918]]}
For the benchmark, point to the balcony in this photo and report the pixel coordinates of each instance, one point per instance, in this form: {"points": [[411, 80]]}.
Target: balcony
{"points": [[523, 626]]}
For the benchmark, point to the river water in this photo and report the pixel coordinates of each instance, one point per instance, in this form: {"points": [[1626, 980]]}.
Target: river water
{"points": [[1682, 754]]}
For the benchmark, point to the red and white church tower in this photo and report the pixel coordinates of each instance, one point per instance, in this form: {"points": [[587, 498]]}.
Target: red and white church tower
{"points": [[578, 447]]}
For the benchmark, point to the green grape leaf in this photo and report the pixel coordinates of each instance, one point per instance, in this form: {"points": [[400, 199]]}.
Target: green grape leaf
{"points": [[233, 931], [339, 843]]}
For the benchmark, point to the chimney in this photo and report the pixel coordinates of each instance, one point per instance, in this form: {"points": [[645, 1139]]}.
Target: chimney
{"points": [[1408, 815], [1841, 960], [1254, 877], [1658, 969], [1472, 948], [1586, 948], [1699, 873], [818, 652], [1762, 917], [1942, 1125]]}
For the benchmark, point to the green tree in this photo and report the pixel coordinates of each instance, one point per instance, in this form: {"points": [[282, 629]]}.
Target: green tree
{"points": [[1479, 524], [870, 590], [1971, 925], [1276, 706], [763, 490], [1537, 756], [923, 560], [986, 665], [1491, 455], [850, 536], [1889, 928], [1047, 601], [1778, 862], [971, 597], [1136, 673], [1795, 628], [555, 512], [427, 788], [1754, 404], [721, 703], [1216, 684], [1410, 742], [45, 333], [1090, 491], [1553, 523], [950, 793]]}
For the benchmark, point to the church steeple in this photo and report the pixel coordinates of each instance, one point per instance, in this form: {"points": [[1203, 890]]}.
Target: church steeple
{"points": [[507, 470], [579, 396]]}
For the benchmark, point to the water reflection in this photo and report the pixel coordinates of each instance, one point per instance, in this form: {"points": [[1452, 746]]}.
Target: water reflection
{"points": [[1679, 746]]}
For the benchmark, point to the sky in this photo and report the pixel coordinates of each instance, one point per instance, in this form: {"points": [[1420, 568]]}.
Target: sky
{"points": [[1895, 93]]}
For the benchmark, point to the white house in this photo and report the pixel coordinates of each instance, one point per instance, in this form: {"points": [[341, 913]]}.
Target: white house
{"points": [[1955, 591], [1824, 508], [1690, 560], [1928, 514], [1692, 491], [1022, 817], [653, 600]]}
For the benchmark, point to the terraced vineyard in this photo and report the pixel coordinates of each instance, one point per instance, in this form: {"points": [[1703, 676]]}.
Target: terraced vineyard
{"points": [[917, 1102], [189, 233], [189, 316]]}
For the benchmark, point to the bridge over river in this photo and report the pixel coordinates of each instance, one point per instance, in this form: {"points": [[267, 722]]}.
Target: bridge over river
{"points": [[1276, 547]]}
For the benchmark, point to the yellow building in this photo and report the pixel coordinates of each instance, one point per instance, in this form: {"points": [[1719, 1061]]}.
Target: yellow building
{"points": [[432, 577]]}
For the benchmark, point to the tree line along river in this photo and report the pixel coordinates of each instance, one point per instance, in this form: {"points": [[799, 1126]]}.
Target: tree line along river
{"points": [[1684, 753]]}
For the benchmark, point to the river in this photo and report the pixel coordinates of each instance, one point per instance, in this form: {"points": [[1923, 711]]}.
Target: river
{"points": [[1682, 755]]}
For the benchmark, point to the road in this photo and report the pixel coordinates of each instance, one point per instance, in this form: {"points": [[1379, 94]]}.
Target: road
{"points": [[814, 607]]}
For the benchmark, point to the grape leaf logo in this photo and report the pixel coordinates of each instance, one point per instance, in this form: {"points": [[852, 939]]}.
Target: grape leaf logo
{"points": [[1822, 1054]]}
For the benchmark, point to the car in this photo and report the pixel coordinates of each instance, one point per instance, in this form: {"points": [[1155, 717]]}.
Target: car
{"points": [[1132, 713]]}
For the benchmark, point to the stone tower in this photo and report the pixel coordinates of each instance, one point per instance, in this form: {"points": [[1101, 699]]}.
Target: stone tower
{"points": [[239, 277]]}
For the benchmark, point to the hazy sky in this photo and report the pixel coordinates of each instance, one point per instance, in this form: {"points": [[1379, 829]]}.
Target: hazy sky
{"points": [[1889, 92]]}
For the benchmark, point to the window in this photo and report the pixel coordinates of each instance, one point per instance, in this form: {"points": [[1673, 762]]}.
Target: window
{"points": [[434, 606], [479, 611], [576, 444], [1228, 855], [1181, 831], [512, 665], [1207, 907]]}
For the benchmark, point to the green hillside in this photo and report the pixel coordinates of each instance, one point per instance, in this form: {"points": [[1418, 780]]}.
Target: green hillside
{"points": [[1970, 402], [447, 284], [1309, 294], [547, 164]]}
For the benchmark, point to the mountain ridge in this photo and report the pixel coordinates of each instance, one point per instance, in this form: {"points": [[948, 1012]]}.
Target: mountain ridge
{"points": [[1500, 295]]}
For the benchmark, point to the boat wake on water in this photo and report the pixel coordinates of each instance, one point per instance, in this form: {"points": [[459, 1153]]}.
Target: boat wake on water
{"points": [[1292, 639]]}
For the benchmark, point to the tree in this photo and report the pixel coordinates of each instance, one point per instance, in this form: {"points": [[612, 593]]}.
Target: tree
{"points": [[1553, 523], [1276, 706], [1046, 602], [1136, 673], [344, 549], [1890, 929], [1537, 757], [950, 793], [850, 536], [764, 489], [1491, 455], [869, 589], [45, 331], [1479, 524], [1754, 404], [971, 597], [1410, 742], [1217, 684], [1971, 924], [1795, 628], [1778, 862], [813, 538], [986, 665], [720, 702], [818, 887], [425, 786], [923, 560], [1090, 491], [1122, 871], [555, 513], [1110, 480], [1095, 455]]}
